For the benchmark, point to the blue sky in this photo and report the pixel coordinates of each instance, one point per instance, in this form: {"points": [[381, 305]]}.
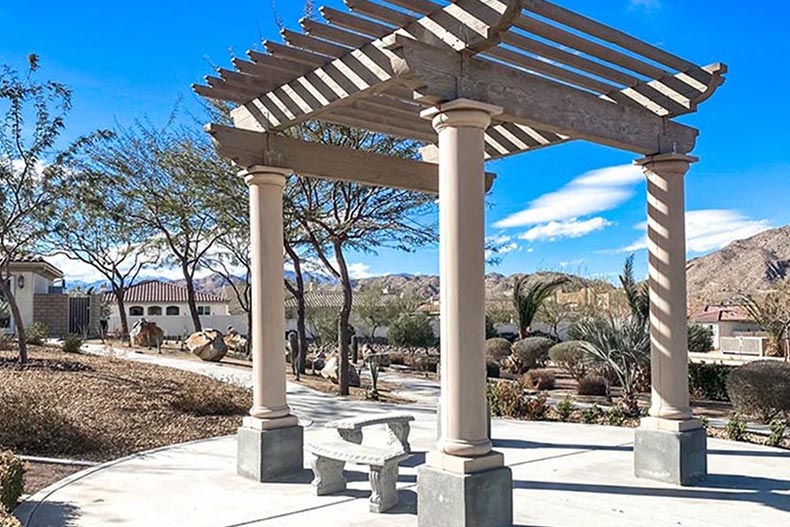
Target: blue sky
{"points": [[127, 60]]}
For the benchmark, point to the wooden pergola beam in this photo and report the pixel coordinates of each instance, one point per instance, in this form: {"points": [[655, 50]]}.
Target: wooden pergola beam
{"points": [[248, 148]]}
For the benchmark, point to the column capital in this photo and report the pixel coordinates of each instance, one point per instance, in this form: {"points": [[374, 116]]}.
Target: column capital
{"points": [[265, 175], [667, 163], [461, 113]]}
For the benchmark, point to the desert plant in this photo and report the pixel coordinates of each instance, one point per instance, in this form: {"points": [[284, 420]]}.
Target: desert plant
{"points": [[506, 398], [12, 479], [37, 333], [397, 359], [700, 338], [570, 356], [498, 348], [761, 389], [709, 381], [72, 343], [590, 414], [428, 363], [412, 331], [528, 353], [540, 379], [374, 380], [528, 296], [616, 416], [735, 429], [492, 369], [491, 331], [6, 341], [7, 520], [772, 313], [536, 408], [565, 409], [593, 385], [778, 428]]}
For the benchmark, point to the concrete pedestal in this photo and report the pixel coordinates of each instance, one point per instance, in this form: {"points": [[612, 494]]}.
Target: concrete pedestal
{"points": [[454, 491], [672, 456], [270, 454]]}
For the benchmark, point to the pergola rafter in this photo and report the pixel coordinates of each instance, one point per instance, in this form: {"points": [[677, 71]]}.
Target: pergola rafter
{"points": [[360, 69]]}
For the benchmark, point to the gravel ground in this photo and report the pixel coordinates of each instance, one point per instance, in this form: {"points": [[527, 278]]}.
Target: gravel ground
{"points": [[100, 408]]}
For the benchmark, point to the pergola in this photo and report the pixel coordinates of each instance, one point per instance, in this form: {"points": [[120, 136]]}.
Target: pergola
{"points": [[474, 80]]}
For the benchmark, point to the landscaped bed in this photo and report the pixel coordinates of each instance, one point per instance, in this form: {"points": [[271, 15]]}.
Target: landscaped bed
{"points": [[100, 408]]}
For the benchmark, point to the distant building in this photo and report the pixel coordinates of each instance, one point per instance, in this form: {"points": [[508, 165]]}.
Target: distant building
{"points": [[166, 304], [734, 330]]}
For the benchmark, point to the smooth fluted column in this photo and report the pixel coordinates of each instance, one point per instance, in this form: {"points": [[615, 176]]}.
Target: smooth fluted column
{"points": [[461, 125], [268, 304], [666, 232]]}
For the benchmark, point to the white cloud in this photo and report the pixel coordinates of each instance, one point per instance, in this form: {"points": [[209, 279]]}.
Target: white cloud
{"points": [[710, 229], [572, 263], [591, 193], [572, 228], [359, 270]]}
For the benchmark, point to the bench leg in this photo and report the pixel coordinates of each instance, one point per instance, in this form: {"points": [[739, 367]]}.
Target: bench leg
{"points": [[382, 483], [399, 433], [328, 475]]}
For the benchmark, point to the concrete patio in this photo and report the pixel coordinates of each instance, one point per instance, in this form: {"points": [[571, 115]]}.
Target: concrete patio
{"points": [[563, 475]]}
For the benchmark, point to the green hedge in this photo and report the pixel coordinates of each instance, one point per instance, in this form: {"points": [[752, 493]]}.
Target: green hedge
{"points": [[709, 381]]}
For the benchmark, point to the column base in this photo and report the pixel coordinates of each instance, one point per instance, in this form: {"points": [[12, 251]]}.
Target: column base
{"points": [[671, 451], [460, 497], [267, 452]]}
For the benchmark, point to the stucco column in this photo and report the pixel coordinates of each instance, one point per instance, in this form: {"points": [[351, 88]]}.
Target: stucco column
{"points": [[666, 233], [461, 125], [670, 445], [268, 302]]}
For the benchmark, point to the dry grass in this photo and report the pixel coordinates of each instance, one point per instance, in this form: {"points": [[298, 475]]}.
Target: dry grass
{"points": [[100, 408]]}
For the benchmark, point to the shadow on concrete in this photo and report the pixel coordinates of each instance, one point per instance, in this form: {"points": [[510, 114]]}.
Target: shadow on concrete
{"points": [[407, 503], [416, 459], [749, 453], [49, 514], [518, 444], [763, 491]]}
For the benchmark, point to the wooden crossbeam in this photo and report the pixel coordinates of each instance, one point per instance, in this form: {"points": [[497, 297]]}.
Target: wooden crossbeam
{"points": [[248, 148]]}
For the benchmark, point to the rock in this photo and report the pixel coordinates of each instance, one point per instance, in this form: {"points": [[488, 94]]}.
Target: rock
{"points": [[147, 334], [332, 368], [236, 343], [208, 344]]}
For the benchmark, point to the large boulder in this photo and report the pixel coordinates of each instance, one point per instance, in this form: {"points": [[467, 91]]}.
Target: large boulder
{"points": [[208, 344], [147, 334], [332, 369]]}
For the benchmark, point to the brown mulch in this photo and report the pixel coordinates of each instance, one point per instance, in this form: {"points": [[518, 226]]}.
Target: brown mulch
{"points": [[106, 408], [41, 475]]}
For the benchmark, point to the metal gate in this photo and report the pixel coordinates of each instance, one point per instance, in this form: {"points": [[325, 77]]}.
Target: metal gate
{"points": [[79, 314]]}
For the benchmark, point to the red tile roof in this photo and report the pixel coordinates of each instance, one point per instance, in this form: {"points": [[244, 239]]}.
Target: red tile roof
{"points": [[714, 314], [156, 292]]}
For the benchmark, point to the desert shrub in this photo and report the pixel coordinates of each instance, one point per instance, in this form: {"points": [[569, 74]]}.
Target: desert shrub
{"points": [[593, 385], [36, 333], [536, 408], [506, 398], [32, 425], [412, 331], [615, 416], [427, 363], [528, 353], [570, 356], [590, 414], [491, 331], [540, 379], [397, 359], [778, 428], [193, 399], [700, 338], [497, 348], [6, 341], [761, 389], [6, 520], [12, 479], [565, 409], [492, 369], [709, 381], [72, 343], [736, 427]]}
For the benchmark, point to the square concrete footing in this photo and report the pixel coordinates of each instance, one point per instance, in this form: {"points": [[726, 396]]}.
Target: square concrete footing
{"points": [[479, 499], [270, 454], [672, 456]]}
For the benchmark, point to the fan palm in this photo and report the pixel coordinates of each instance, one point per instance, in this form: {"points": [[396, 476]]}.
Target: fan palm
{"points": [[528, 296]]}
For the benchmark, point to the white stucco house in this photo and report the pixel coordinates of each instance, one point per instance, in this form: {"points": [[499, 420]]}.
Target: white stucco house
{"points": [[734, 330], [166, 305], [34, 283]]}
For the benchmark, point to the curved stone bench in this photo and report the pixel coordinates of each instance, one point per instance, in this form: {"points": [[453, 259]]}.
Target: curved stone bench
{"points": [[397, 423], [328, 460]]}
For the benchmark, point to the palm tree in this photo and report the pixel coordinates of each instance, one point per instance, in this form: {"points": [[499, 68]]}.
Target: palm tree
{"points": [[772, 313], [529, 296], [636, 294]]}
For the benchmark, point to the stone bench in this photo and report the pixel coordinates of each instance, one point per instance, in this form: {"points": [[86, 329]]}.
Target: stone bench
{"points": [[397, 423], [329, 459]]}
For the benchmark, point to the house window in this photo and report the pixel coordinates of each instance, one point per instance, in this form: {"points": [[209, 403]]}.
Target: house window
{"points": [[154, 311], [204, 310], [172, 311], [136, 311]]}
